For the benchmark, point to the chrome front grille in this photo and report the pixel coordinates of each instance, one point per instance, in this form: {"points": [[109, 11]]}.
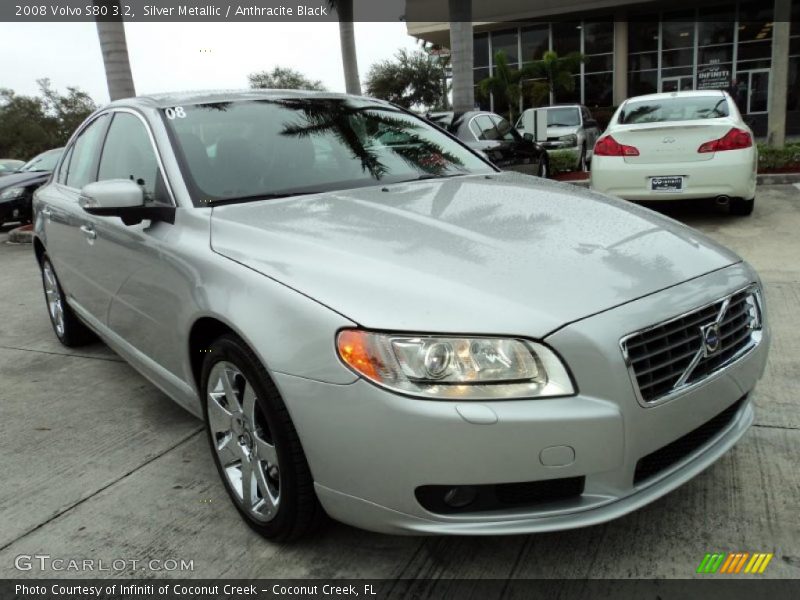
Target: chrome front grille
{"points": [[683, 351]]}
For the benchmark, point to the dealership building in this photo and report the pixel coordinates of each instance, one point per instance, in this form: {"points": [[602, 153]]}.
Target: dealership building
{"points": [[634, 48]]}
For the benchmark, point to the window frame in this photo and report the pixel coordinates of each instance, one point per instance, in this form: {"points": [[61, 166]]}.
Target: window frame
{"points": [[170, 199], [66, 157]]}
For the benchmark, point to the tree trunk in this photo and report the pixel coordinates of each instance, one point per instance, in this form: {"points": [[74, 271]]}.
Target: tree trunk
{"points": [[461, 54], [115, 58], [352, 84]]}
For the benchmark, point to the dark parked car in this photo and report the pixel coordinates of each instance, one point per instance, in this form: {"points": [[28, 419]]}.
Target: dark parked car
{"points": [[495, 137], [16, 189], [9, 165]]}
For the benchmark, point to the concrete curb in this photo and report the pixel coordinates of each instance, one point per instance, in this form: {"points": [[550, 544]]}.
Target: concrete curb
{"points": [[21, 235], [778, 178]]}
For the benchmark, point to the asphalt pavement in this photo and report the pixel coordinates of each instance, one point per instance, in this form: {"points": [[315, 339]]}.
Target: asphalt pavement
{"points": [[100, 465]]}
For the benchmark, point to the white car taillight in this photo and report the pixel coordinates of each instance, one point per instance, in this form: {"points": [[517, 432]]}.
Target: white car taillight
{"points": [[735, 139], [608, 146]]}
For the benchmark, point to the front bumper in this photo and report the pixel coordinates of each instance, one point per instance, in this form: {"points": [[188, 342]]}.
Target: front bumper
{"points": [[369, 450], [15, 209], [730, 174]]}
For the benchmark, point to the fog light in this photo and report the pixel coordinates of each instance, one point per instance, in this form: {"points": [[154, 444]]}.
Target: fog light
{"points": [[460, 496]]}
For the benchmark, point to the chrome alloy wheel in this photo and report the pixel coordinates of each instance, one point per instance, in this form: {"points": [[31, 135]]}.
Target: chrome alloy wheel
{"points": [[55, 304], [243, 442]]}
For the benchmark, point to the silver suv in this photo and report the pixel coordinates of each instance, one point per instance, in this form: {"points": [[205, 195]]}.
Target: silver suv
{"points": [[570, 127], [376, 324]]}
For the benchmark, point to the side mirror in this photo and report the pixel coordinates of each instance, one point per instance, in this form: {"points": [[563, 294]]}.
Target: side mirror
{"points": [[121, 198], [528, 137]]}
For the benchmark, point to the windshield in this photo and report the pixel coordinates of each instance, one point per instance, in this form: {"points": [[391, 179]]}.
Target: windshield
{"points": [[46, 161], [686, 108], [563, 117], [265, 148]]}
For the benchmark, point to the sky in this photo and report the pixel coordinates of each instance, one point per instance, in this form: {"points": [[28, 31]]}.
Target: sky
{"points": [[187, 56]]}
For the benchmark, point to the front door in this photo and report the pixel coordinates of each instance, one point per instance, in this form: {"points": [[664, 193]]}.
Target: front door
{"points": [[677, 84], [758, 91], [69, 230], [130, 262]]}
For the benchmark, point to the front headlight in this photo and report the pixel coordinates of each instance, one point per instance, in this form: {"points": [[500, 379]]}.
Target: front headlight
{"points": [[455, 368], [569, 140], [12, 193]]}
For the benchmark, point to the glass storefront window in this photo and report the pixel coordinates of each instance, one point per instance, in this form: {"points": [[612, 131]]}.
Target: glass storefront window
{"points": [[600, 62], [755, 50], [566, 38], [643, 35], [793, 92], [506, 41], [598, 89], [564, 96], [755, 21], [535, 42], [642, 62], [642, 82], [715, 26], [598, 38], [677, 58], [480, 50], [714, 54], [677, 31], [679, 71]]}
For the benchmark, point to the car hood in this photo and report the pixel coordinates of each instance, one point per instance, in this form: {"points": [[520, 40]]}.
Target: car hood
{"points": [[18, 179], [504, 254]]}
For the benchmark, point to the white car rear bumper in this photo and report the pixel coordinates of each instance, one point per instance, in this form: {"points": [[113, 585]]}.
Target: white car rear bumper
{"points": [[731, 173]]}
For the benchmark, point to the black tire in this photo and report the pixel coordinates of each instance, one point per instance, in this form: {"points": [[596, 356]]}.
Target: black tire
{"points": [[543, 170], [299, 512], [71, 331], [741, 207], [582, 160]]}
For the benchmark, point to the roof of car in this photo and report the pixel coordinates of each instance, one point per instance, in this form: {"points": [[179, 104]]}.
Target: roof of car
{"points": [[165, 100], [687, 93]]}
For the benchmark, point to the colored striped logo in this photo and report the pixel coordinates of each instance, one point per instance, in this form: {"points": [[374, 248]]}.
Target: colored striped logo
{"points": [[733, 563]]}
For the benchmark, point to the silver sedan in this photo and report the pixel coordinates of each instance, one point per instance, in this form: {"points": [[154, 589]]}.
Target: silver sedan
{"points": [[377, 325]]}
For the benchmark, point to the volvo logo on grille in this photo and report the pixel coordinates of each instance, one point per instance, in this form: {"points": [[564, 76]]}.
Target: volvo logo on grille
{"points": [[711, 339]]}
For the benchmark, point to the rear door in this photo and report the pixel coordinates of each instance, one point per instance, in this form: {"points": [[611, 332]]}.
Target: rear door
{"points": [[138, 279], [69, 230]]}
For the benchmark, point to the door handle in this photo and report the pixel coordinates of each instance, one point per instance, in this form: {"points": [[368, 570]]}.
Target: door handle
{"points": [[89, 231]]}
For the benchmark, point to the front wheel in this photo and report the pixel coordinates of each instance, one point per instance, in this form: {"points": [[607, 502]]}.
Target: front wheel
{"points": [[543, 169], [69, 330], [255, 446], [741, 207], [582, 160]]}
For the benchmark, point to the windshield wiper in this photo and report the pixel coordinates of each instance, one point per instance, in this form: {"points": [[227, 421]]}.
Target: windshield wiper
{"points": [[253, 198], [432, 176]]}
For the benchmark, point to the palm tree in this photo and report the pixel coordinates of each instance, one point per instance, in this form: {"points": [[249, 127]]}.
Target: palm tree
{"points": [[114, 47], [344, 8], [504, 84], [551, 74], [461, 54]]}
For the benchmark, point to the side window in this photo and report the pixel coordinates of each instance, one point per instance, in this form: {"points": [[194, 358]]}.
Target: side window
{"points": [[503, 128], [83, 159], [64, 168], [486, 128], [128, 154]]}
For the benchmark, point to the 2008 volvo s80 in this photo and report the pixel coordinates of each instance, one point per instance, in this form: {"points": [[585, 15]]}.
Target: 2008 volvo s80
{"points": [[377, 325]]}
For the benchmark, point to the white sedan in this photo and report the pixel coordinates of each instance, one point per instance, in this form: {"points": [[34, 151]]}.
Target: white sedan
{"points": [[680, 145]]}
